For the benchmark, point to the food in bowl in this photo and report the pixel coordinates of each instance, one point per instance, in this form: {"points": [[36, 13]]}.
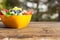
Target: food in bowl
{"points": [[16, 17]]}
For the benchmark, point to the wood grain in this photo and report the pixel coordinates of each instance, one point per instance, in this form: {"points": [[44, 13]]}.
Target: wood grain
{"points": [[35, 30]]}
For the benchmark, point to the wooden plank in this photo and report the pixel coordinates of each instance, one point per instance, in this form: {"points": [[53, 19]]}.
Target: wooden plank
{"points": [[40, 38], [34, 29], [35, 38]]}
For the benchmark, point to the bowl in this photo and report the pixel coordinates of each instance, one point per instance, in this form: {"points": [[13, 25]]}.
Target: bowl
{"points": [[16, 21]]}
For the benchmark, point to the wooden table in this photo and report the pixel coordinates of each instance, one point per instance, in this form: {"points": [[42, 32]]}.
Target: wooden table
{"points": [[34, 31]]}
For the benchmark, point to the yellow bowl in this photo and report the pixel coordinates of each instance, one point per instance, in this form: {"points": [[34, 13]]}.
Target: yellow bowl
{"points": [[19, 21]]}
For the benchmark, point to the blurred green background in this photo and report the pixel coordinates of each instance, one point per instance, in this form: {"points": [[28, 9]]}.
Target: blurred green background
{"points": [[43, 10]]}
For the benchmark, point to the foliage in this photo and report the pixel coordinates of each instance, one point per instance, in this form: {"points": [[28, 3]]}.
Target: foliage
{"points": [[38, 15], [12, 3]]}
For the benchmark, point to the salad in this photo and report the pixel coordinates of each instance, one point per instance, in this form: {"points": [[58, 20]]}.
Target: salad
{"points": [[15, 11]]}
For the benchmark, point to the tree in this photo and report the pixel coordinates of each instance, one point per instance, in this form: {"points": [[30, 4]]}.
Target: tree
{"points": [[12, 3], [59, 10]]}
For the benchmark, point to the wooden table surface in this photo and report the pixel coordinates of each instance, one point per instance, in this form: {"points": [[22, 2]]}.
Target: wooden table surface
{"points": [[34, 31]]}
